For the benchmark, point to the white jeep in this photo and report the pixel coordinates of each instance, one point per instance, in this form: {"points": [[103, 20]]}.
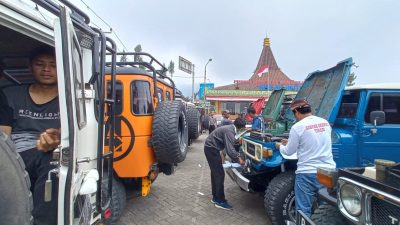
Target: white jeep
{"points": [[82, 167]]}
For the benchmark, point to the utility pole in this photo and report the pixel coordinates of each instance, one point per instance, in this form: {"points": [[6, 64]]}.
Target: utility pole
{"points": [[205, 77], [193, 84]]}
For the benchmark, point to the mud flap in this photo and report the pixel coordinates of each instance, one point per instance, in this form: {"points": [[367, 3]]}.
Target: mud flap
{"points": [[146, 185]]}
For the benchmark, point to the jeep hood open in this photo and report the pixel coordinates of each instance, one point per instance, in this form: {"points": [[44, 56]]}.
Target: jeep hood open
{"points": [[324, 90], [272, 107]]}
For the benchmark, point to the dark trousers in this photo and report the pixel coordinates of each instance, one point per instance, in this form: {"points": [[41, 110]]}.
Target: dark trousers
{"points": [[211, 129], [38, 166], [217, 173]]}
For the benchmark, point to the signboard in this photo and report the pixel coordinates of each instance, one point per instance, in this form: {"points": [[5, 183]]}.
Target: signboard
{"points": [[209, 86], [185, 65]]}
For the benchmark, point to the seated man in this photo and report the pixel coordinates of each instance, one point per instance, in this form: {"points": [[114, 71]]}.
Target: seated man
{"points": [[257, 122], [31, 115]]}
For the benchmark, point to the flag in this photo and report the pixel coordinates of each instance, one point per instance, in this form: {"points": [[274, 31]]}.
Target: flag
{"points": [[263, 69]]}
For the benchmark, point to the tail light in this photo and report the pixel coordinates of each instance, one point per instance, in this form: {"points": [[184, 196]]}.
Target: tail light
{"points": [[107, 213]]}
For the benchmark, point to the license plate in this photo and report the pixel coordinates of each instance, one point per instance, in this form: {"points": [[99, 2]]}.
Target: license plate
{"points": [[302, 219]]}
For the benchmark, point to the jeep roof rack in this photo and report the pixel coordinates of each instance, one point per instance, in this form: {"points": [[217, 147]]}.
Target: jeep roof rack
{"points": [[147, 62]]}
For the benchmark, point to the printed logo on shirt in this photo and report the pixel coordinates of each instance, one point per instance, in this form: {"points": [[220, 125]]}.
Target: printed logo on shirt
{"points": [[38, 116], [318, 128]]}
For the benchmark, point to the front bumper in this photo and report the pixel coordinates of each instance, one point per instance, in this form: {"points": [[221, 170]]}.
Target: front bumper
{"points": [[236, 176]]}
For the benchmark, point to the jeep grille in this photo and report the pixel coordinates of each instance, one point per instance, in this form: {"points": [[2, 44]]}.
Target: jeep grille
{"points": [[383, 212], [252, 150]]}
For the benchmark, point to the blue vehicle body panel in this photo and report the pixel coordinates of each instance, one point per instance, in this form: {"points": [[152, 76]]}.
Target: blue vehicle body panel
{"points": [[329, 85]]}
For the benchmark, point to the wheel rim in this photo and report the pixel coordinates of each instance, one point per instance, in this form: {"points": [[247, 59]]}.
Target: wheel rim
{"points": [[181, 133], [292, 209]]}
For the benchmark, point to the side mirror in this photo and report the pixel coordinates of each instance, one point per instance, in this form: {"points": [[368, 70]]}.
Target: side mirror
{"points": [[377, 118]]}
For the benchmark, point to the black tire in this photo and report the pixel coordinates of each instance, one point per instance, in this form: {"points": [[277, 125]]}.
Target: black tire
{"points": [[170, 132], [118, 200], [16, 201], [279, 199], [328, 215], [167, 168], [194, 124], [206, 122]]}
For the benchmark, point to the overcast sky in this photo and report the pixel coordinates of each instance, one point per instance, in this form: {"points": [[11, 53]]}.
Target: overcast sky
{"points": [[305, 35]]}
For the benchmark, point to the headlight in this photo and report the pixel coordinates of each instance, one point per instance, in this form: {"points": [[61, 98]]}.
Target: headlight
{"points": [[351, 199]]}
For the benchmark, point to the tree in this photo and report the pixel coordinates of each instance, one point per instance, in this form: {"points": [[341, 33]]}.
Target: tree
{"points": [[123, 58], [350, 80], [138, 58], [171, 68]]}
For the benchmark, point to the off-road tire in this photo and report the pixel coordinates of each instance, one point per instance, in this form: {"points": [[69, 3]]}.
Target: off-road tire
{"points": [[167, 168], [16, 201], [206, 122], [118, 200], [194, 124], [279, 198], [328, 215], [170, 132]]}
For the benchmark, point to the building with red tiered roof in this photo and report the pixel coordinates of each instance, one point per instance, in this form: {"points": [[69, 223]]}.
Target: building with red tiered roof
{"points": [[266, 78]]}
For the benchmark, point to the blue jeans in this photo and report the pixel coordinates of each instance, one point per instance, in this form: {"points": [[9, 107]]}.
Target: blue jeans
{"points": [[306, 189]]}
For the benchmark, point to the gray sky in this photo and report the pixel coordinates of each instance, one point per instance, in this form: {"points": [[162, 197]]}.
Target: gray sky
{"points": [[305, 35]]}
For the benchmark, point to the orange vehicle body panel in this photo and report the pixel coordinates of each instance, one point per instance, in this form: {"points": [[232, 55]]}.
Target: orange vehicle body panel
{"points": [[133, 154]]}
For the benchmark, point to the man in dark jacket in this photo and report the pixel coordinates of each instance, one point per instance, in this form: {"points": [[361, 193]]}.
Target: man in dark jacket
{"points": [[221, 138]]}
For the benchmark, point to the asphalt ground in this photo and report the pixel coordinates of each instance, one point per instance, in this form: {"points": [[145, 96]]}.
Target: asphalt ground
{"points": [[184, 198]]}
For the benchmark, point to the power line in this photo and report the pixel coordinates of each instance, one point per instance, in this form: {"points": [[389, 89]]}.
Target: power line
{"points": [[111, 29], [187, 77]]}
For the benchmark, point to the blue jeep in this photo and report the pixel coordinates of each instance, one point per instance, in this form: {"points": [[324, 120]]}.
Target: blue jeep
{"points": [[356, 141]]}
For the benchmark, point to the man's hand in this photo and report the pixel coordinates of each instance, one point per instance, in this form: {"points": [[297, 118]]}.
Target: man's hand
{"points": [[241, 161], [283, 142], [48, 140]]}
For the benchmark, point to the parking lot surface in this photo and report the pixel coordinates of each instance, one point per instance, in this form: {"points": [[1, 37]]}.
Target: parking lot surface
{"points": [[184, 198]]}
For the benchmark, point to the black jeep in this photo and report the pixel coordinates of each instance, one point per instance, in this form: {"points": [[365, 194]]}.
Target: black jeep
{"points": [[369, 195]]}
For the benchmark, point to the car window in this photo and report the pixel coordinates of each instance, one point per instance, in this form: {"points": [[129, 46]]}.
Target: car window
{"points": [[388, 103], [141, 98], [160, 95], [118, 96]]}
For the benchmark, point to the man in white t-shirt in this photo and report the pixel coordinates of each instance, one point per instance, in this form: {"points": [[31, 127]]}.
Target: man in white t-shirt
{"points": [[310, 138]]}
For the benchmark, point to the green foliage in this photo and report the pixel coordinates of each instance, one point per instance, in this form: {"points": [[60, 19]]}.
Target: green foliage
{"points": [[350, 81], [138, 49], [171, 68]]}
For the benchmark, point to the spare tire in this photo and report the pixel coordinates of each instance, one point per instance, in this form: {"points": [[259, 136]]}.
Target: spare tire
{"points": [[206, 122], [194, 123], [170, 132], [16, 202]]}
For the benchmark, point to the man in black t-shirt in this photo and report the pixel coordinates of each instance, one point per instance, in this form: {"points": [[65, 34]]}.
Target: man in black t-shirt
{"points": [[221, 138], [30, 115]]}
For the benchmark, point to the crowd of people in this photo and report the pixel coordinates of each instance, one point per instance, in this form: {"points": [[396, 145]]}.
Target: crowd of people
{"points": [[309, 138], [30, 115]]}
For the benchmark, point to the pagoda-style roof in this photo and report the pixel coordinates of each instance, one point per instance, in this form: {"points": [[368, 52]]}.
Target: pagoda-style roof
{"points": [[267, 75]]}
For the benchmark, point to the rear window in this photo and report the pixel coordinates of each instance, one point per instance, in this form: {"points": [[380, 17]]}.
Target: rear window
{"points": [[118, 96], [141, 98]]}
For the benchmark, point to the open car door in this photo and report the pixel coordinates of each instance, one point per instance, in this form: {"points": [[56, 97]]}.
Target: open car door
{"points": [[80, 53]]}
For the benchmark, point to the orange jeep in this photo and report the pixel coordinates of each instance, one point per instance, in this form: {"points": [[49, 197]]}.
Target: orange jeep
{"points": [[151, 131]]}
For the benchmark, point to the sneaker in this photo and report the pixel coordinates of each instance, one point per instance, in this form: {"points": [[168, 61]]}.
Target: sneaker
{"points": [[223, 205], [213, 201]]}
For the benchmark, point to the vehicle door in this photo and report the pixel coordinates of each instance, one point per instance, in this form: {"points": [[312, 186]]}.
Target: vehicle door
{"points": [[79, 130], [382, 141]]}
